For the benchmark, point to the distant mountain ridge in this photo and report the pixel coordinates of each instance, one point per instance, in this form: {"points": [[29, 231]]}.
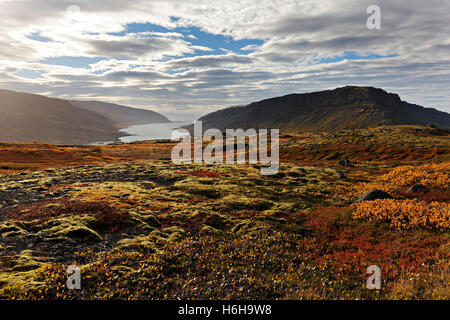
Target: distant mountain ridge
{"points": [[122, 115], [29, 117], [348, 107]]}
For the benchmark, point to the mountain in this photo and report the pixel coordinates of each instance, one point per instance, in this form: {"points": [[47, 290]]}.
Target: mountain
{"points": [[30, 117], [122, 115], [331, 110]]}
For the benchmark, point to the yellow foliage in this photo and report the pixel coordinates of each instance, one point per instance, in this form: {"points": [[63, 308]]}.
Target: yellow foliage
{"points": [[405, 214], [432, 175]]}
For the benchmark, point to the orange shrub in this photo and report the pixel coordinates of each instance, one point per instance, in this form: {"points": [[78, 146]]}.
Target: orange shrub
{"points": [[405, 214], [436, 175]]}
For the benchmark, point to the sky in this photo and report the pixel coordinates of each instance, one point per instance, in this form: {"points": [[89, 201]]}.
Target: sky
{"points": [[188, 58]]}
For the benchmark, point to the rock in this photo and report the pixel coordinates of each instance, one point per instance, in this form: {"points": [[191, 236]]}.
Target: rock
{"points": [[12, 229], [341, 175], [417, 188], [374, 195], [143, 242], [344, 163], [216, 221], [210, 231], [73, 233], [175, 233], [173, 229], [293, 174]]}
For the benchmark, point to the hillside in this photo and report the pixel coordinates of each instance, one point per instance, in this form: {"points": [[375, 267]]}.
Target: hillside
{"points": [[30, 117], [331, 110], [122, 115]]}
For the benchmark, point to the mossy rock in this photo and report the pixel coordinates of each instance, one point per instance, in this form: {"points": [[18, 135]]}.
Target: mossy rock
{"points": [[173, 229], [241, 203], [285, 206], [20, 280], [205, 192], [25, 262], [12, 229], [271, 215], [121, 270], [150, 219], [141, 242], [445, 248], [73, 232], [243, 227], [175, 233], [217, 221], [158, 235], [59, 240], [210, 231], [145, 222]]}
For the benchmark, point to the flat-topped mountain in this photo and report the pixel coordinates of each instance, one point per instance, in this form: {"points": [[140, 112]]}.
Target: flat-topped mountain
{"points": [[29, 117], [331, 110]]}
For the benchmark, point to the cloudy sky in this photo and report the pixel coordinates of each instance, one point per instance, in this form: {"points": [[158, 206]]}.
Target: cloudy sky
{"points": [[185, 58]]}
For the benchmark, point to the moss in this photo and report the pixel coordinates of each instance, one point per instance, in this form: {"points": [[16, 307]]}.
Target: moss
{"points": [[445, 248], [174, 229], [248, 227], [286, 206], [13, 282], [217, 221], [121, 270], [175, 233], [25, 262], [12, 229], [66, 229], [210, 231], [195, 188], [158, 235], [140, 242], [149, 218], [235, 202]]}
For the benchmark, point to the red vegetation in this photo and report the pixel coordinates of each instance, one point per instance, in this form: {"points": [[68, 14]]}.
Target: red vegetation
{"points": [[107, 216], [207, 174], [347, 247], [431, 196]]}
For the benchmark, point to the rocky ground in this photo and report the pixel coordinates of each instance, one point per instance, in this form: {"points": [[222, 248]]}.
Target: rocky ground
{"points": [[147, 229]]}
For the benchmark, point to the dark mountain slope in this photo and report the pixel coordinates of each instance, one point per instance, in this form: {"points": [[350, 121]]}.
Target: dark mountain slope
{"points": [[30, 117], [122, 115], [331, 110]]}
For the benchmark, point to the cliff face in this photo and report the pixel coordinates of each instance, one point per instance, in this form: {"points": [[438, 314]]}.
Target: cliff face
{"points": [[331, 110]]}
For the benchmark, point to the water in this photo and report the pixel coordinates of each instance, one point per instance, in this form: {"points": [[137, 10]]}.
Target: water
{"points": [[154, 131]]}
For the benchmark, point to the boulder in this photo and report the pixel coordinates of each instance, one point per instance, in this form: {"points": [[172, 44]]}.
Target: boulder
{"points": [[417, 188], [374, 195], [344, 163], [341, 175], [210, 231]]}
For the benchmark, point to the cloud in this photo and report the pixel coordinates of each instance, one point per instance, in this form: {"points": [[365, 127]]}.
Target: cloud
{"points": [[215, 61], [178, 71], [137, 46]]}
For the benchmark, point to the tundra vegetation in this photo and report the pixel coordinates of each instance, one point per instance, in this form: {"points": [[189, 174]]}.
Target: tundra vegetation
{"points": [[140, 227]]}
